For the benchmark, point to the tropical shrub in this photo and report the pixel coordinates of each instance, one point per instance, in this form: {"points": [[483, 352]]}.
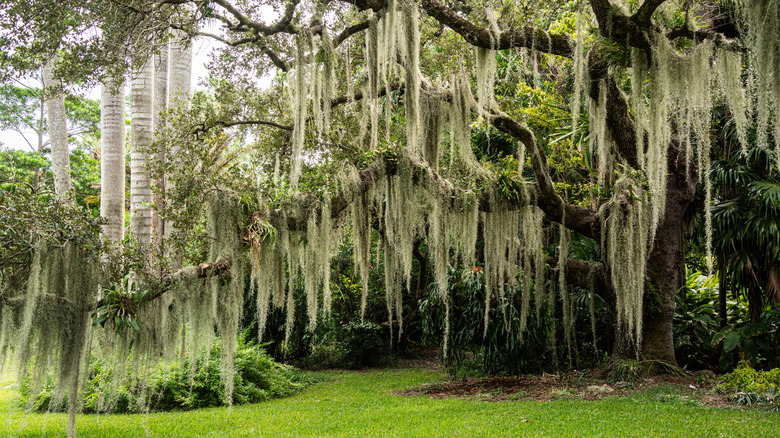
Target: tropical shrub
{"points": [[352, 345], [748, 386], [171, 387]]}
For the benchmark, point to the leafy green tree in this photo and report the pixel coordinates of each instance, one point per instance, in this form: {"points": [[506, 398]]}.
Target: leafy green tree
{"points": [[746, 224]]}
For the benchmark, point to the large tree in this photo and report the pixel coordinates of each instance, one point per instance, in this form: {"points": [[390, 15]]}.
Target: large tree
{"points": [[374, 83], [657, 145]]}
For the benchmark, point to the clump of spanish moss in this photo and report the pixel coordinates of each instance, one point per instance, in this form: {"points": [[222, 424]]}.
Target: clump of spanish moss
{"points": [[763, 41], [223, 224], [412, 78], [50, 320], [625, 245]]}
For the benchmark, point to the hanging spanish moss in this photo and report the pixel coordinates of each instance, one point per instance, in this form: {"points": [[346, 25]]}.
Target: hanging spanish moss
{"points": [[729, 65], [412, 78], [639, 71], [680, 87], [52, 326], [432, 118], [388, 66], [592, 301], [580, 71], [293, 267], [625, 245], [533, 260], [563, 290], [500, 230], [361, 235], [371, 96], [486, 79], [300, 88], [223, 224], [763, 42], [460, 122], [599, 142]]}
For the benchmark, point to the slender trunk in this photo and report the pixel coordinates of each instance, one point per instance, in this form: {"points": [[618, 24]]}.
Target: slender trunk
{"points": [[58, 129], [112, 162], [39, 132], [141, 136], [160, 105], [179, 83]]}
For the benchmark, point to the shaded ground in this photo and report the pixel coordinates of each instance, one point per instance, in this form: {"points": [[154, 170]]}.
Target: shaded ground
{"points": [[571, 386], [575, 386]]}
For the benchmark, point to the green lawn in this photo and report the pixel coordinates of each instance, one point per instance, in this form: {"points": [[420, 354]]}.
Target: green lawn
{"points": [[363, 404]]}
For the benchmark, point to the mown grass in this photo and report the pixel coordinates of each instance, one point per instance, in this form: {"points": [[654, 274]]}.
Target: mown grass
{"points": [[359, 404]]}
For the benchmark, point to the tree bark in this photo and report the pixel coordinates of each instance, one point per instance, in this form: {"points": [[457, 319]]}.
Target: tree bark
{"points": [[112, 161], [58, 129], [160, 104], [666, 262], [141, 136], [179, 84]]}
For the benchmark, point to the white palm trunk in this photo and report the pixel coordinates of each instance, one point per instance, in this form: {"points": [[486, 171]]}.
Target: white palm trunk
{"points": [[158, 120], [112, 162], [179, 83], [141, 136], [58, 129]]}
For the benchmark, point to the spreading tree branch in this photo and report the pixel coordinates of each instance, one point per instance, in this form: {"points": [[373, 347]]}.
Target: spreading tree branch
{"points": [[527, 36]]}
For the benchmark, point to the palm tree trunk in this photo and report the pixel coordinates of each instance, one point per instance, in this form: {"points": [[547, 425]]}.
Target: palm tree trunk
{"points": [[179, 83], [158, 119], [58, 129], [112, 161], [141, 136]]}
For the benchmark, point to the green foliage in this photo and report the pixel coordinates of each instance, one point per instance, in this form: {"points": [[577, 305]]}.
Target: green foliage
{"points": [[743, 339], [745, 378], [695, 322], [701, 343], [258, 378], [746, 226], [119, 303], [748, 386], [626, 370], [509, 182], [505, 350], [353, 345]]}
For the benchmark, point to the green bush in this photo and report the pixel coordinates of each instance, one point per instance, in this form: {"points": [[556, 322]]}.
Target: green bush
{"points": [[746, 379], [351, 346], [257, 378]]}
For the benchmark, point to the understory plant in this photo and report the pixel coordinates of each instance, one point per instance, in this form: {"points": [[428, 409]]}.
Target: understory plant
{"points": [[356, 344], [173, 387], [702, 342], [748, 386]]}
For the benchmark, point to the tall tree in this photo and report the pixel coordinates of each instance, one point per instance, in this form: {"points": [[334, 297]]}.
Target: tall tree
{"points": [[179, 84], [112, 160], [160, 106], [58, 128], [141, 136]]}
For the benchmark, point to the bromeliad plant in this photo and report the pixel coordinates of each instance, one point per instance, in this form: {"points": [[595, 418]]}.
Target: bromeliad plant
{"points": [[119, 304]]}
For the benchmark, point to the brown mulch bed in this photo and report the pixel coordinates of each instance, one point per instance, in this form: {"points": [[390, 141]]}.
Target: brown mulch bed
{"points": [[573, 387]]}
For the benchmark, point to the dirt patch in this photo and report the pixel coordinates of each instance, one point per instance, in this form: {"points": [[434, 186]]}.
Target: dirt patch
{"points": [[574, 387], [427, 359]]}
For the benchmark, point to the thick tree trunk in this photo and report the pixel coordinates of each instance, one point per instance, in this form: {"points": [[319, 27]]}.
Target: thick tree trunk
{"points": [[665, 265], [141, 136], [112, 161], [58, 129]]}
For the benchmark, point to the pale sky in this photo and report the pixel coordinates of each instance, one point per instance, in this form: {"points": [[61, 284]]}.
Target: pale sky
{"points": [[201, 48]]}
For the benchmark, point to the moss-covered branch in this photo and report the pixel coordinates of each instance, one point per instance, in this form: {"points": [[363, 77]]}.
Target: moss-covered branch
{"points": [[527, 36]]}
